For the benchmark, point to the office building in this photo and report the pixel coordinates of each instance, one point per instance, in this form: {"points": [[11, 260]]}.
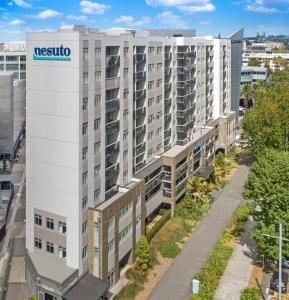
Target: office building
{"points": [[13, 59], [117, 121], [253, 74], [12, 117]]}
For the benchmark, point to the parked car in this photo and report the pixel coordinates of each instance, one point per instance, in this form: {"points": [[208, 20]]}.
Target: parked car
{"points": [[285, 263], [274, 284]]}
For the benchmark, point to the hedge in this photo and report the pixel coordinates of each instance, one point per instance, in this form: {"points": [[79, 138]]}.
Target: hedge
{"points": [[159, 224]]}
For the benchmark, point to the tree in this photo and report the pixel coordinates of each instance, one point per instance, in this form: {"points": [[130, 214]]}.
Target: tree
{"points": [[265, 124], [282, 62], [246, 92], [143, 253], [268, 189], [253, 62]]}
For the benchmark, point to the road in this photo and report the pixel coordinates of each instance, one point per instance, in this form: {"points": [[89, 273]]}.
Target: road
{"points": [[176, 283]]}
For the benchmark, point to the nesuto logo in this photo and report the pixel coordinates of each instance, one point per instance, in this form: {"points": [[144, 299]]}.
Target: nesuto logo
{"points": [[52, 53]]}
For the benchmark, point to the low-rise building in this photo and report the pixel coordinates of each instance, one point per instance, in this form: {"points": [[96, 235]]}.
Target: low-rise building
{"points": [[253, 74]]}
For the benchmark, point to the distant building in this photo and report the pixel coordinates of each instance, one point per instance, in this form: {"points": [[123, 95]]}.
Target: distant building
{"points": [[13, 59], [12, 116], [253, 74]]}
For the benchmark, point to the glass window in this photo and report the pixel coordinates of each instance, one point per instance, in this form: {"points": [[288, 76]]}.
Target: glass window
{"points": [[159, 99], [96, 171], [84, 227], [96, 252], [159, 50], [96, 123], [85, 78], [84, 252], [22, 58], [37, 243], [84, 153], [125, 51], [49, 247], [84, 178], [96, 227], [125, 93], [150, 101], [97, 76], [151, 50], [125, 155], [1, 58], [61, 227], [111, 246], [84, 128], [12, 67], [85, 103], [96, 148], [125, 114], [151, 85], [50, 223], [37, 220], [11, 58], [98, 53], [111, 222], [61, 252], [159, 82], [85, 53], [97, 99], [1, 67], [125, 232], [84, 202], [125, 210], [125, 72], [96, 195], [138, 221]]}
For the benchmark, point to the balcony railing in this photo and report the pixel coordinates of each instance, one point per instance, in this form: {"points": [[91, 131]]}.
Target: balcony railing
{"points": [[112, 105], [139, 76], [112, 60], [140, 58]]}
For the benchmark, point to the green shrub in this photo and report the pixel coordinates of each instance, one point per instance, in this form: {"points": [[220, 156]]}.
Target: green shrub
{"points": [[241, 214], [250, 294], [169, 249], [159, 224], [136, 275], [142, 253], [129, 291]]}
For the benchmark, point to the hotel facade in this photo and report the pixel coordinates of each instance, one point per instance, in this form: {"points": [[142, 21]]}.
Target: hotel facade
{"points": [[117, 121]]}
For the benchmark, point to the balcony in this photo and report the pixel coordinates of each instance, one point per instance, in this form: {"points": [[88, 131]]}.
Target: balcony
{"points": [[112, 61], [112, 170], [112, 105], [112, 83], [167, 192], [140, 58], [140, 94], [181, 169], [140, 149], [112, 127], [114, 147], [140, 76], [140, 165], [167, 133], [140, 130], [168, 55], [191, 55]]}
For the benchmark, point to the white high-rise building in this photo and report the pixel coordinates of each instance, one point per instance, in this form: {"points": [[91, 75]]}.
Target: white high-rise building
{"points": [[116, 122]]}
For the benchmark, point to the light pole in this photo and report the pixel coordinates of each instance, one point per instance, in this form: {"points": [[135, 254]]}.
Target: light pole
{"points": [[280, 238]]}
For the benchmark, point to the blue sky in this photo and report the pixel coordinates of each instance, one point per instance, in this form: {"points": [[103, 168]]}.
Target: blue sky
{"points": [[206, 16]]}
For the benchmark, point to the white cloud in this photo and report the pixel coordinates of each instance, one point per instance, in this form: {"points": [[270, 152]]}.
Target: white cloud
{"points": [[22, 3], [189, 6], [47, 14], [265, 6], [131, 21], [168, 18], [88, 7], [205, 22], [10, 3], [77, 18], [16, 22]]}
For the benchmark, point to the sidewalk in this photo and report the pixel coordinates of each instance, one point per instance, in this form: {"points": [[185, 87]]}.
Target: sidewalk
{"points": [[176, 283], [239, 268]]}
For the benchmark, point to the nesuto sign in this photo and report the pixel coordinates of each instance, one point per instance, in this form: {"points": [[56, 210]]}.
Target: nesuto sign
{"points": [[52, 53]]}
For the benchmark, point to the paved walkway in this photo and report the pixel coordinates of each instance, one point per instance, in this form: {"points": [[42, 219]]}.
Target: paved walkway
{"points": [[239, 268], [176, 283]]}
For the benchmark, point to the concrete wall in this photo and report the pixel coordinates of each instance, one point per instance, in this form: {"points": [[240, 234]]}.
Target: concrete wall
{"points": [[19, 107]]}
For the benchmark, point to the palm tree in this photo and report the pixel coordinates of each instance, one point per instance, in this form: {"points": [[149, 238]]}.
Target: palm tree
{"points": [[246, 92], [282, 62]]}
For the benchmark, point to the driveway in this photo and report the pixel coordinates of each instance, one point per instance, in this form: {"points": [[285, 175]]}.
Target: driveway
{"points": [[176, 283]]}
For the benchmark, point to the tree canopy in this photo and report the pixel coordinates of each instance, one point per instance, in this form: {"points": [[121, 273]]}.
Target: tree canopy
{"points": [[265, 124]]}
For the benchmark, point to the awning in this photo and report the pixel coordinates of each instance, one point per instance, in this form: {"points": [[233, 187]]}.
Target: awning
{"points": [[88, 288]]}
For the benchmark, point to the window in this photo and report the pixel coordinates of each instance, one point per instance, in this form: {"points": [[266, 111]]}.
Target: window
{"points": [[61, 252], [50, 223], [150, 135], [96, 124], [84, 227], [125, 155], [11, 58], [150, 152], [150, 101], [84, 202], [158, 131], [97, 76], [37, 243], [151, 50], [125, 114], [125, 51], [125, 210], [85, 104], [49, 247], [125, 232], [85, 53], [96, 148], [97, 99], [151, 85], [159, 50], [158, 115], [138, 221], [84, 178], [37, 220], [96, 195], [96, 227], [125, 93], [125, 135], [150, 118], [159, 82], [96, 252], [159, 99], [151, 67], [84, 153], [111, 246], [159, 66], [125, 177], [84, 128], [61, 227], [84, 252], [111, 222], [96, 171], [85, 78], [138, 200], [97, 53], [125, 73]]}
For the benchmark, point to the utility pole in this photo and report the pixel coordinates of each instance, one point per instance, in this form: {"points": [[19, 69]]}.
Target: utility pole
{"points": [[280, 238]]}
